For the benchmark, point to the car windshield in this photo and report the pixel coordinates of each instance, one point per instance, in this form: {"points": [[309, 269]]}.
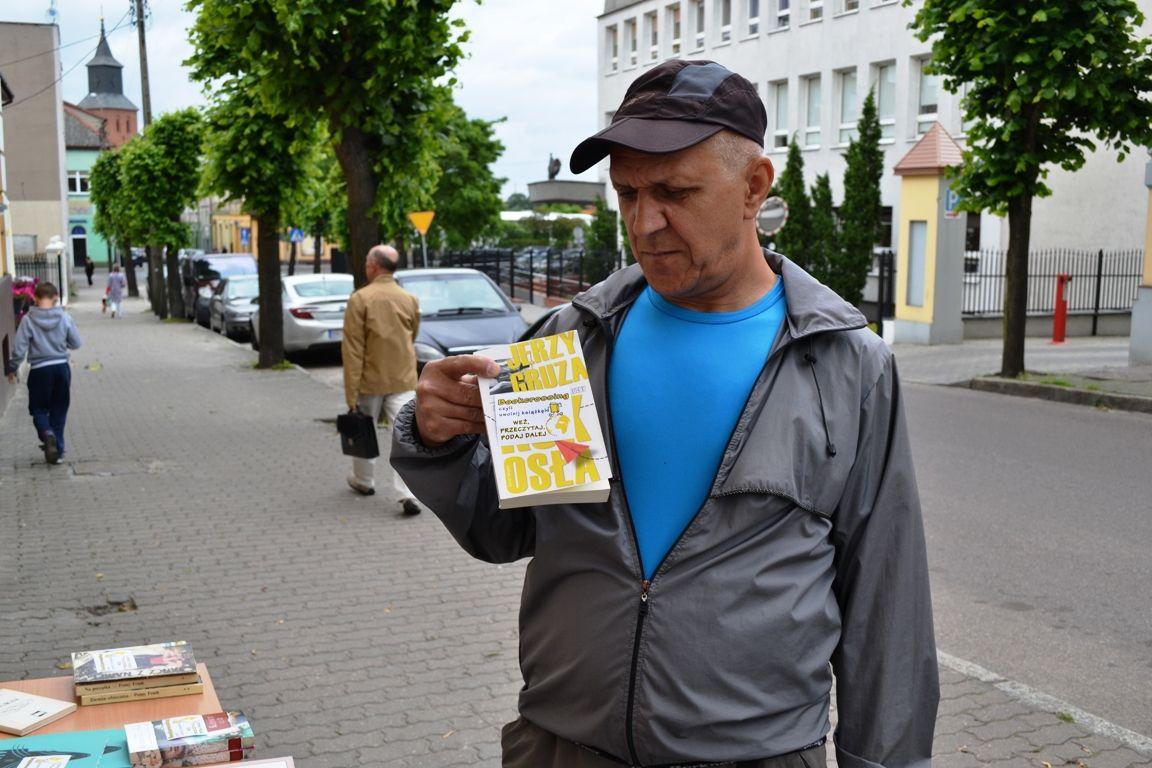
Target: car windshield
{"points": [[441, 294], [320, 289], [243, 289]]}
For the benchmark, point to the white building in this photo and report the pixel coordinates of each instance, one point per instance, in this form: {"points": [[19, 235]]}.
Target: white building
{"points": [[813, 62]]}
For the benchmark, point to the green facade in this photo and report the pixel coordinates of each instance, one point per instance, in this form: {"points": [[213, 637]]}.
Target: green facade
{"points": [[80, 208]]}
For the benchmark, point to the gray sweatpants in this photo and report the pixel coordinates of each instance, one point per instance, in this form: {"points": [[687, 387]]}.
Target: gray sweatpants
{"points": [[365, 469]]}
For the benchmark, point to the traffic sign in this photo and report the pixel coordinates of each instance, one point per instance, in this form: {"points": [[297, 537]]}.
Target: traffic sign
{"points": [[296, 235], [422, 220], [951, 203]]}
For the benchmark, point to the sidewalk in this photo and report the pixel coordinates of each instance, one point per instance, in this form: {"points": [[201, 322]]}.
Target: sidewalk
{"points": [[204, 500]]}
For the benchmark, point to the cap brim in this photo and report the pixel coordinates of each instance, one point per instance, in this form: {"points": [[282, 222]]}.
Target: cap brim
{"points": [[642, 134]]}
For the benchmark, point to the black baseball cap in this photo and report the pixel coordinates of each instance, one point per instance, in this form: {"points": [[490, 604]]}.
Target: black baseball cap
{"points": [[676, 105]]}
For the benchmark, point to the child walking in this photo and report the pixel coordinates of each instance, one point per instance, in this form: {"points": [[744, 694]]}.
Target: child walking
{"points": [[114, 290], [45, 336]]}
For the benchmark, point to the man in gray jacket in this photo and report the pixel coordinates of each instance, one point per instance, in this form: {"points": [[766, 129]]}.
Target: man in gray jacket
{"points": [[763, 531]]}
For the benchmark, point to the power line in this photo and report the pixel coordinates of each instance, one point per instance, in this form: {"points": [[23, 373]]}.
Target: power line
{"points": [[68, 71], [50, 50]]}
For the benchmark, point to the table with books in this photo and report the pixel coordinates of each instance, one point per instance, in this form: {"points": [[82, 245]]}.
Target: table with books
{"points": [[143, 707]]}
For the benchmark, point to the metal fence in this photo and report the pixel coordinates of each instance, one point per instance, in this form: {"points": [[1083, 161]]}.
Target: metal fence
{"points": [[40, 267], [532, 274], [1102, 281]]}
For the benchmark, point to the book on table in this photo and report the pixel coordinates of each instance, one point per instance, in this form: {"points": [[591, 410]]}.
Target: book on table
{"points": [[68, 749], [21, 713], [221, 737], [542, 425], [136, 673]]}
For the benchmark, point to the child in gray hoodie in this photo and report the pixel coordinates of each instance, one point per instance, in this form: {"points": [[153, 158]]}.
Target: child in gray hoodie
{"points": [[45, 336]]}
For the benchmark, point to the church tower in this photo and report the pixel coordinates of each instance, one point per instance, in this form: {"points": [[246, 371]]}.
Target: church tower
{"points": [[106, 94]]}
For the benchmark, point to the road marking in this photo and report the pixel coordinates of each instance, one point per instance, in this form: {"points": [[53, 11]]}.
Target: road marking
{"points": [[1046, 703]]}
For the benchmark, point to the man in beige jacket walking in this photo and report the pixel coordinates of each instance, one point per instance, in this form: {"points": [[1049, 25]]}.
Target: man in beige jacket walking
{"points": [[380, 325]]}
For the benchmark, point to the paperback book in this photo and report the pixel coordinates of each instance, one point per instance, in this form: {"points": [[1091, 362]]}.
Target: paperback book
{"points": [[142, 694], [189, 740], [73, 749], [542, 425], [143, 661], [21, 713]]}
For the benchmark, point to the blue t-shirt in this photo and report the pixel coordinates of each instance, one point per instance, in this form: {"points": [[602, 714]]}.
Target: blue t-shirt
{"points": [[678, 382]]}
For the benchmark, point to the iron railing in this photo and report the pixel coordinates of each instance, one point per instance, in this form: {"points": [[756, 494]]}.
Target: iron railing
{"points": [[532, 274]]}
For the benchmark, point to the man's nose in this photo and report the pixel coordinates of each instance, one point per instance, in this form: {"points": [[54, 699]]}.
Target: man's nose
{"points": [[647, 215]]}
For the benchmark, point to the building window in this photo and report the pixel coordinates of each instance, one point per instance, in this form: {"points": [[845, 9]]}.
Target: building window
{"points": [[632, 42], [811, 91], [917, 255], [886, 100], [674, 27], [972, 232], [653, 36], [928, 91], [779, 97], [885, 230], [846, 6], [783, 13], [78, 182], [753, 17], [815, 10], [725, 11], [612, 47], [849, 108], [698, 24]]}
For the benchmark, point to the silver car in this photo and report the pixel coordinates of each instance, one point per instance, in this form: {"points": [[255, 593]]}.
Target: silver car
{"points": [[313, 311], [232, 304]]}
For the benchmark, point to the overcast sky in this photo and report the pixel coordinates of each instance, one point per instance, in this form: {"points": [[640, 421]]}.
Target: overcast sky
{"points": [[530, 61]]}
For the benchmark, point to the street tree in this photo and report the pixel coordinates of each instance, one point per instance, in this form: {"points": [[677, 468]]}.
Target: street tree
{"points": [[467, 200], [254, 155], [517, 201], [107, 193], [300, 59], [795, 237], [319, 205], [860, 212], [1044, 82], [600, 244], [824, 248]]}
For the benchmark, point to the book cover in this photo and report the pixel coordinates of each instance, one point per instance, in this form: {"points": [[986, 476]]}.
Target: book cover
{"points": [[163, 692], [135, 684], [74, 749], [542, 425], [136, 662], [21, 713], [175, 740], [178, 758]]}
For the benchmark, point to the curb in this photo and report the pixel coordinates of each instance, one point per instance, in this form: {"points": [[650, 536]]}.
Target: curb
{"points": [[1069, 395]]}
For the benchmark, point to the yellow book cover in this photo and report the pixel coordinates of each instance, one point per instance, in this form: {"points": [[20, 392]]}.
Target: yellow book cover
{"points": [[542, 425]]}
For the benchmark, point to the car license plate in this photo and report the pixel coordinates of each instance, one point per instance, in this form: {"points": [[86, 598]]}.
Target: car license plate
{"points": [[335, 333]]}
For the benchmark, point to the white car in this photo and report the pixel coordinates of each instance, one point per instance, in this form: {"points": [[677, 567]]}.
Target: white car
{"points": [[313, 311]]}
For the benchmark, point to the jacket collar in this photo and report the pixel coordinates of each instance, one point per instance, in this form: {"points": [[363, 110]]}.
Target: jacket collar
{"points": [[812, 306], [384, 278]]}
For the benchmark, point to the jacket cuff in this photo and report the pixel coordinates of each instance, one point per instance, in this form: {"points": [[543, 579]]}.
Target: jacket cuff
{"points": [[845, 759], [406, 437]]}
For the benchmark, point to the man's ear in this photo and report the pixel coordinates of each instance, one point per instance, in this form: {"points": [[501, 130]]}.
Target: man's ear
{"points": [[760, 176]]}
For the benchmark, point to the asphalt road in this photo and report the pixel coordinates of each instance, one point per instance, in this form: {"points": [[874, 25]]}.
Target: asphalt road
{"points": [[1039, 522]]}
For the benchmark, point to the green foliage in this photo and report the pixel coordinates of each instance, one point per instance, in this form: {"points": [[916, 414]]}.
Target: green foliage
{"points": [[1043, 79], [319, 204], [600, 243], [106, 185], [560, 208], [795, 238], [823, 249], [517, 201], [860, 213], [467, 200], [535, 231]]}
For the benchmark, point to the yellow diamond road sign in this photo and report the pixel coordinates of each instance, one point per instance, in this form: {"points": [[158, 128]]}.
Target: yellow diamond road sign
{"points": [[422, 220]]}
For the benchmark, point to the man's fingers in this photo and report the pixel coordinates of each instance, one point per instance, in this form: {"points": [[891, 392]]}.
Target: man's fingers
{"points": [[458, 366]]}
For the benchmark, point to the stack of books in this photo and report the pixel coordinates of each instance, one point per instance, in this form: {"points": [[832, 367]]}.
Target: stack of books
{"points": [[223, 737], [135, 674]]}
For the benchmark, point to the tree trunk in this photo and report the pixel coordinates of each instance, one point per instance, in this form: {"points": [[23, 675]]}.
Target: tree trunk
{"points": [[175, 286], [156, 290], [1016, 285], [363, 224], [317, 248], [271, 307], [292, 259], [130, 271]]}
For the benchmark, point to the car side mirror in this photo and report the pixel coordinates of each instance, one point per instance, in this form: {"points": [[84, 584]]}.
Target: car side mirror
{"points": [[255, 299]]}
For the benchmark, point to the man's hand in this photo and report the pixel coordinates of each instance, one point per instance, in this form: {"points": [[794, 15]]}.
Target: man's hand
{"points": [[12, 378], [448, 399]]}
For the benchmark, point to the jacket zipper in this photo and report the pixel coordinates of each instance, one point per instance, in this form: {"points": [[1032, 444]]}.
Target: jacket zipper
{"points": [[643, 614]]}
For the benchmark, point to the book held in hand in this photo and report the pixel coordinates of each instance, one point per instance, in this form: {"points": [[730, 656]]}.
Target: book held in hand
{"points": [[542, 425], [21, 713], [187, 740], [142, 661]]}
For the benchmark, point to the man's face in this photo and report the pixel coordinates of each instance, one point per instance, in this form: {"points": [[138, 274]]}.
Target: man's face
{"points": [[685, 214]]}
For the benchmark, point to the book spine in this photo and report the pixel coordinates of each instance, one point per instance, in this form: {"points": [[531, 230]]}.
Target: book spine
{"points": [[152, 758], [134, 684], [142, 695]]}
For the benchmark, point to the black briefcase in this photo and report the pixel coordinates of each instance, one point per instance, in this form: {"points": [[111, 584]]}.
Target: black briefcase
{"points": [[357, 435]]}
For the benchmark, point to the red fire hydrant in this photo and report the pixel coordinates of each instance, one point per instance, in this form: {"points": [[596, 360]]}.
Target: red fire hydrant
{"points": [[1060, 321]]}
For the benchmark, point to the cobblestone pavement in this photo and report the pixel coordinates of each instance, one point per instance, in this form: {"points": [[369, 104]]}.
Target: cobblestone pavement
{"points": [[208, 498]]}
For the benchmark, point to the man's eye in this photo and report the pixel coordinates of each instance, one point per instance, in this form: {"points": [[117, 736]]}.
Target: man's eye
{"points": [[626, 194]]}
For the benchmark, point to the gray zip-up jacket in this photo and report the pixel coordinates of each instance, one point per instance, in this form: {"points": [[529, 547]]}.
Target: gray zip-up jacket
{"points": [[807, 558], [45, 335]]}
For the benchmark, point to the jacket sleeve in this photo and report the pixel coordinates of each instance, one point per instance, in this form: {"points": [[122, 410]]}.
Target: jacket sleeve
{"points": [[72, 340], [887, 683], [19, 349], [352, 347], [455, 481]]}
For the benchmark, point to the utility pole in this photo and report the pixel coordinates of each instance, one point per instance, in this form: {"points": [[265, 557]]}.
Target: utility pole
{"points": [[146, 97]]}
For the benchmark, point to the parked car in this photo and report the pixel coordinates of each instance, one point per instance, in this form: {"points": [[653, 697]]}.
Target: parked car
{"points": [[232, 304], [461, 311], [201, 273], [313, 311]]}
